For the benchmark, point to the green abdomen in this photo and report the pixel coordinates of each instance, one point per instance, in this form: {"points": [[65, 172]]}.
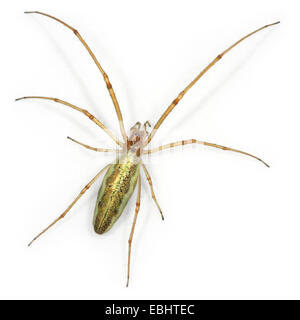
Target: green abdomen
{"points": [[116, 189]]}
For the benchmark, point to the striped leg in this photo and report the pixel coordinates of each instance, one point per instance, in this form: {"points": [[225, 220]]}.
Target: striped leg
{"points": [[187, 88], [71, 205], [137, 208], [94, 149], [105, 76], [152, 191], [85, 112], [191, 141]]}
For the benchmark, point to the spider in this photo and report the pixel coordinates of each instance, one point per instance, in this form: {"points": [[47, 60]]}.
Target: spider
{"points": [[124, 174]]}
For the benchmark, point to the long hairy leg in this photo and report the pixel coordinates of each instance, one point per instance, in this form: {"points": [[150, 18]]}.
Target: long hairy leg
{"points": [[85, 112], [105, 76], [95, 149], [137, 208], [152, 191], [71, 205], [191, 141], [182, 93]]}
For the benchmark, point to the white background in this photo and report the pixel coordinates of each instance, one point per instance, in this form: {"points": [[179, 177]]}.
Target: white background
{"points": [[232, 225]]}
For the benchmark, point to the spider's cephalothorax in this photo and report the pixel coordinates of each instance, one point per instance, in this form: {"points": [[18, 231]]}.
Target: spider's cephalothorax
{"points": [[123, 175], [137, 138]]}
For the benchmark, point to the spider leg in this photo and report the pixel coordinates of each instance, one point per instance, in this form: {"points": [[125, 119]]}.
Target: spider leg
{"points": [[105, 76], [152, 191], [85, 112], [94, 149], [137, 208], [71, 205], [182, 93], [191, 141]]}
